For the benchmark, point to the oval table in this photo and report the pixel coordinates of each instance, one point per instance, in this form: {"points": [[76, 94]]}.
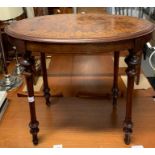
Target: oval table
{"points": [[82, 34]]}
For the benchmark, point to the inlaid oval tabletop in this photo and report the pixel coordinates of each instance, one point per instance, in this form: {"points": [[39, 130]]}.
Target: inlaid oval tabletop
{"points": [[79, 28]]}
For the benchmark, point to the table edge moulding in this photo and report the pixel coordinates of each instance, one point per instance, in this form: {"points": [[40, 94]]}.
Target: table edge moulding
{"points": [[83, 34]]}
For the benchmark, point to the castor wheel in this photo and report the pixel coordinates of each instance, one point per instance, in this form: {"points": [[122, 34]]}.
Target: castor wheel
{"points": [[127, 139]]}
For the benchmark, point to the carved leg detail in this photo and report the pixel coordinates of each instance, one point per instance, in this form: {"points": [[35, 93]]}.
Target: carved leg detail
{"points": [[34, 130], [115, 90], [128, 130], [132, 61], [46, 89], [29, 81]]}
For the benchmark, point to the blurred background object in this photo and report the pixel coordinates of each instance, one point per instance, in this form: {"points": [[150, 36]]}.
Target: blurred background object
{"points": [[7, 16]]}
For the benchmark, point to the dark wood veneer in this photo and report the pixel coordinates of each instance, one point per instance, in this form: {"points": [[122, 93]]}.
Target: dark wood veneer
{"points": [[83, 34], [70, 28]]}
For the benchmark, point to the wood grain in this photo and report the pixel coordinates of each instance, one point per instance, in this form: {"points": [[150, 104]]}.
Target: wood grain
{"points": [[84, 34], [79, 28], [75, 122], [68, 121]]}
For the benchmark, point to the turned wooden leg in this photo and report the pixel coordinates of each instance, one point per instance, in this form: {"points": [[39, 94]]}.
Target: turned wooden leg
{"points": [[115, 90], [46, 89], [33, 68], [132, 61], [29, 81], [137, 79]]}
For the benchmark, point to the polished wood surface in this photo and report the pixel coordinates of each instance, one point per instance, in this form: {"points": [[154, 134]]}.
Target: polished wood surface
{"points": [[84, 34], [115, 89], [29, 81], [79, 28], [68, 122], [46, 89]]}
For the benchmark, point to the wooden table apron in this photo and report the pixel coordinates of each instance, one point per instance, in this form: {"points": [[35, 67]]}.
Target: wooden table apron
{"points": [[81, 46]]}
